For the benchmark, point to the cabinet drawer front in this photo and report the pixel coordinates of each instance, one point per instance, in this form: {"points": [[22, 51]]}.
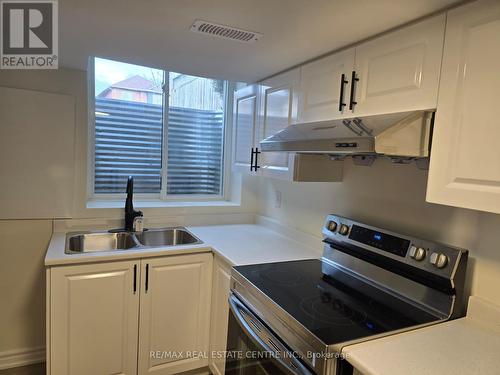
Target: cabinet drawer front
{"points": [[175, 314], [465, 159], [400, 71], [94, 319]]}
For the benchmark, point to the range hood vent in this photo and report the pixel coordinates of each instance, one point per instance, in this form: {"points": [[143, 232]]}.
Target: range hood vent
{"points": [[397, 135], [226, 32]]}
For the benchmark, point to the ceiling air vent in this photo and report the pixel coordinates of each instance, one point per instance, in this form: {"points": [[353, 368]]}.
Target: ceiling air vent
{"points": [[225, 32]]}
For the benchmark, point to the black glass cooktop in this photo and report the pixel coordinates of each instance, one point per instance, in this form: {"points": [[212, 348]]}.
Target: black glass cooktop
{"points": [[333, 305]]}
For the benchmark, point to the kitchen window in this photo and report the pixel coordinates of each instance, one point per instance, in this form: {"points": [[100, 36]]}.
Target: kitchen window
{"points": [[165, 129]]}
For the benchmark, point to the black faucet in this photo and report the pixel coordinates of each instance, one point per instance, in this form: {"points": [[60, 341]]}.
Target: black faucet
{"points": [[130, 214]]}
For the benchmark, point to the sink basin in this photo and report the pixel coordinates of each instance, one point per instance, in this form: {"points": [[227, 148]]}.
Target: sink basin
{"points": [[166, 237], [91, 242], [104, 241]]}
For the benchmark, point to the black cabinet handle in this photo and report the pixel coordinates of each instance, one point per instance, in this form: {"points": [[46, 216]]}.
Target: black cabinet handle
{"points": [[354, 79], [251, 160], [343, 82], [256, 166], [135, 278], [254, 161], [147, 277]]}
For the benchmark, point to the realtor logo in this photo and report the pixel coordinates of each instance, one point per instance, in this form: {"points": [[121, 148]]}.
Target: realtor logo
{"points": [[29, 35]]}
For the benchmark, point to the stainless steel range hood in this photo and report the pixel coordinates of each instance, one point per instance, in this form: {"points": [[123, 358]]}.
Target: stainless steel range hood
{"points": [[404, 134]]}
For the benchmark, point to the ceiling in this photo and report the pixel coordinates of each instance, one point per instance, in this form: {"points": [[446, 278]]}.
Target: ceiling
{"points": [[156, 32]]}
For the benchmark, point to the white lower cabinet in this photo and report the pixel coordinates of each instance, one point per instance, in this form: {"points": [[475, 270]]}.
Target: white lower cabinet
{"points": [[94, 316], [175, 313], [220, 315], [94, 323]]}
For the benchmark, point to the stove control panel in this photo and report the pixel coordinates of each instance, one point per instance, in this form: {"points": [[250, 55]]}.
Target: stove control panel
{"points": [[419, 253]]}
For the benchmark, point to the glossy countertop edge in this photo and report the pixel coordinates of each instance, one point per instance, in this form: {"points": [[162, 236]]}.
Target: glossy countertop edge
{"points": [[462, 346], [305, 246]]}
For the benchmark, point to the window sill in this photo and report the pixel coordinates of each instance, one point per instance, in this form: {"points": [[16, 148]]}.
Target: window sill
{"points": [[99, 204]]}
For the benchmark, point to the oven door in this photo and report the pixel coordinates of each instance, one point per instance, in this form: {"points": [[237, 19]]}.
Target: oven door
{"points": [[252, 349]]}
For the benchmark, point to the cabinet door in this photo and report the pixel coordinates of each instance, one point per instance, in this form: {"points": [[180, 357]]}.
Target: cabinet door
{"points": [[465, 158], [320, 84], [400, 71], [94, 319], [220, 315], [175, 313], [245, 122], [278, 110]]}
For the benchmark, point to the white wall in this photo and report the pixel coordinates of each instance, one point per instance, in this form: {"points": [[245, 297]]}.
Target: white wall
{"points": [[74, 82], [22, 282], [392, 196], [24, 242]]}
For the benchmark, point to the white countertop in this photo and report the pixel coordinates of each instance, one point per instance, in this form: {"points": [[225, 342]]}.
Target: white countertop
{"points": [[251, 243], [238, 244], [466, 346]]}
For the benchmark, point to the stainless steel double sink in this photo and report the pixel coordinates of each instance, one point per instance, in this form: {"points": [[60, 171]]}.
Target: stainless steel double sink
{"points": [[77, 243]]}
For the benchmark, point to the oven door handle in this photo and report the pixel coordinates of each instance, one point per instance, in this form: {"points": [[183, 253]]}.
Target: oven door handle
{"points": [[265, 339]]}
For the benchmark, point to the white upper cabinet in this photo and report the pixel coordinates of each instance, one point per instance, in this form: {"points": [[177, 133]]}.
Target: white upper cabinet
{"points": [[465, 158], [324, 87], [396, 72], [278, 110], [261, 111], [94, 318], [399, 71], [245, 122]]}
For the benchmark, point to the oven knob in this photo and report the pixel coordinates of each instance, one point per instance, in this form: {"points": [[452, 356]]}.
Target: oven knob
{"points": [[418, 253], [439, 260], [344, 229], [332, 225]]}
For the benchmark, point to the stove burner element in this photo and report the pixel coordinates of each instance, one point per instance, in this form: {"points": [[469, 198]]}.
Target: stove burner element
{"points": [[328, 309], [280, 277]]}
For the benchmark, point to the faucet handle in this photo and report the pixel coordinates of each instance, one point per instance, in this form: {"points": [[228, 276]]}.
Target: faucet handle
{"points": [[138, 225]]}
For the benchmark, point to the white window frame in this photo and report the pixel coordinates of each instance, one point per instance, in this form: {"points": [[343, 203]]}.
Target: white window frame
{"points": [[163, 196]]}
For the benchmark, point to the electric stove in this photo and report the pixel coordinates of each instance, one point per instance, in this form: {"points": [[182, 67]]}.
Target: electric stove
{"points": [[370, 282]]}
